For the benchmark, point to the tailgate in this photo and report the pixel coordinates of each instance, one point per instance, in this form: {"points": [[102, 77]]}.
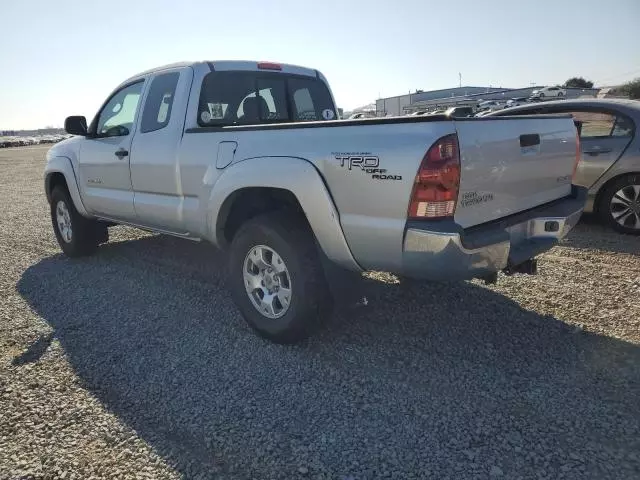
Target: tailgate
{"points": [[512, 164]]}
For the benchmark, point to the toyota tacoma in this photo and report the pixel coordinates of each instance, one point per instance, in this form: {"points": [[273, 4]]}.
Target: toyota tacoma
{"points": [[252, 158]]}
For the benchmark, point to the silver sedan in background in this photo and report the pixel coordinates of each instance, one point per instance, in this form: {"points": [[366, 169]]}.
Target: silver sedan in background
{"points": [[610, 160]]}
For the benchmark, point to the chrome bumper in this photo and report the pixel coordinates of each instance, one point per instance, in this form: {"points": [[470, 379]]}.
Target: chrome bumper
{"points": [[446, 252]]}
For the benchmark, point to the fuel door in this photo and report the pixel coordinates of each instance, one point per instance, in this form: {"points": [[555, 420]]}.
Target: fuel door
{"points": [[226, 152]]}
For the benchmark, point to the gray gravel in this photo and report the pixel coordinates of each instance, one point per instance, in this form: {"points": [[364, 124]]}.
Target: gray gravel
{"points": [[135, 364]]}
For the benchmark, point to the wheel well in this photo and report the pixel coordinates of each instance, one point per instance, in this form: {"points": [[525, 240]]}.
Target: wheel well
{"points": [[247, 203], [605, 186], [53, 180]]}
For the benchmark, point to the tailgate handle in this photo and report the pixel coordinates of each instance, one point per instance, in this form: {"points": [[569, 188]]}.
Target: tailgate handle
{"points": [[529, 140]]}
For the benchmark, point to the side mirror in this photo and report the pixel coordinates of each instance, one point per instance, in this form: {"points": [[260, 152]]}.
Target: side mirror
{"points": [[76, 125]]}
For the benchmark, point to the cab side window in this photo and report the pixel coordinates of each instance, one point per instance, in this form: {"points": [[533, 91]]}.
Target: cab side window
{"points": [[157, 107], [116, 119]]}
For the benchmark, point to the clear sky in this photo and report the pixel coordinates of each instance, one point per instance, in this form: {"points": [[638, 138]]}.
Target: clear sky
{"points": [[63, 57]]}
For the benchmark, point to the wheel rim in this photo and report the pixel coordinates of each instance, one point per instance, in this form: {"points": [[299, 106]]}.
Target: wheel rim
{"points": [[625, 207], [267, 281], [63, 219]]}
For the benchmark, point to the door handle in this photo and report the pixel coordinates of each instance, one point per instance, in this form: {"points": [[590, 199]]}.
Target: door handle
{"points": [[121, 153], [597, 151]]}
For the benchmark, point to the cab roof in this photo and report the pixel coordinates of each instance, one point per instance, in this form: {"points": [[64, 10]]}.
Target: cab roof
{"points": [[227, 65]]}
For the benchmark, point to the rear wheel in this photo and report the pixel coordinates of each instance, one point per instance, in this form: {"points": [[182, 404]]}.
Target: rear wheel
{"points": [[77, 236], [620, 205], [276, 276]]}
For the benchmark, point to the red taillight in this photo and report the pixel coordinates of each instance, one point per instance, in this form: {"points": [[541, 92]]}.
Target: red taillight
{"points": [[578, 155], [435, 190], [269, 66]]}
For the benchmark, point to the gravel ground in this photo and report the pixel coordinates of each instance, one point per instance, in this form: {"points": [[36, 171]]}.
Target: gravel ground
{"points": [[135, 364]]}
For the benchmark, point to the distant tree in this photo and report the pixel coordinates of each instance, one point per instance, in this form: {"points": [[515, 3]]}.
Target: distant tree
{"points": [[578, 82], [631, 89]]}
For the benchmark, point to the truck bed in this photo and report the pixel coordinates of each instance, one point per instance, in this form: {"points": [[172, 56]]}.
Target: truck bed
{"points": [[508, 165]]}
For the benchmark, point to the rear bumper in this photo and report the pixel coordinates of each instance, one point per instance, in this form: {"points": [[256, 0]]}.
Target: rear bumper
{"points": [[443, 251]]}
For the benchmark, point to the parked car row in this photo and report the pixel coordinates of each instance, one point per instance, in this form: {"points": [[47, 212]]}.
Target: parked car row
{"points": [[460, 111], [488, 106], [6, 142]]}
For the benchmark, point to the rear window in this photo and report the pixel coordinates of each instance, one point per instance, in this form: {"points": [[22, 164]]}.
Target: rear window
{"points": [[249, 98]]}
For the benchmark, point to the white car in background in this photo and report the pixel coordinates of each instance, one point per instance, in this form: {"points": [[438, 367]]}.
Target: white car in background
{"points": [[547, 92]]}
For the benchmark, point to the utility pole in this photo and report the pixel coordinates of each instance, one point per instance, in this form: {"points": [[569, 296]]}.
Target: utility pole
{"points": [[460, 79]]}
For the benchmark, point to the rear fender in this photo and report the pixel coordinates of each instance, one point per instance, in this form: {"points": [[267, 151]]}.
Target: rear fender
{"points": [[300, 178], [63, 165]]}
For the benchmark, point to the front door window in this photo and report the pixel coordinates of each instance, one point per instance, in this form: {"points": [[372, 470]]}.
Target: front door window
{"points": [[116, 119]]}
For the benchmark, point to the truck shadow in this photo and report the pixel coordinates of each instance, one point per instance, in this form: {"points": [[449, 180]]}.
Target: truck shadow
{"points": [[152, 333]]}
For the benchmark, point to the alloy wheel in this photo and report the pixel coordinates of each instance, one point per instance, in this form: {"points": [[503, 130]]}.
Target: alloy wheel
{"points": [[625, 206], [63, 220], [267, 281]]}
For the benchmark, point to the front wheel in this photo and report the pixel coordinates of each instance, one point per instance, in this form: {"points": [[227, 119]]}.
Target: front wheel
{"points": [[276, 277], [560, 94], [77, 236], [541, 95], [620, 205]]}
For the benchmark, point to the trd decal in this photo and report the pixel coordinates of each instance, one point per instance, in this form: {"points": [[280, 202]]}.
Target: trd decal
{"points": [[366, 163], [357, 161]]}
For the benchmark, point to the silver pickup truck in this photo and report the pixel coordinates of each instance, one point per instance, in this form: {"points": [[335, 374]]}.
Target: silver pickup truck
{"points": [[251, 157]]}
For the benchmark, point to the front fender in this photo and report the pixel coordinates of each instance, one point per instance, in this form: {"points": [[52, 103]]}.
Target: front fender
{"points": [[63, 165], [300, 178]]}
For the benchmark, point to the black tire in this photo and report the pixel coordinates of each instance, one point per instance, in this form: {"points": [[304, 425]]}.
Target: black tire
{"points": [[610, 214], [310, 301], [560, 94], [541, 95], [85, 234]]}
